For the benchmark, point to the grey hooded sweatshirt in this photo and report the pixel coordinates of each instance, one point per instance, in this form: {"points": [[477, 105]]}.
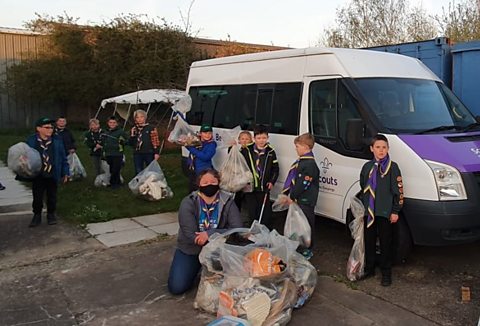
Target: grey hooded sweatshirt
{"points": [[188, 218]]}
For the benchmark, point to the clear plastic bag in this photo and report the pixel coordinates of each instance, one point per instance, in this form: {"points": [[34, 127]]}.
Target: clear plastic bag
{"points": [[77, 171], [297, 227], [183, 105], [183, 134], [356, 260], [151, 183], [265, 298], [280, 204], [103, 180], [228, 137], [24, 160], [235, 172]]}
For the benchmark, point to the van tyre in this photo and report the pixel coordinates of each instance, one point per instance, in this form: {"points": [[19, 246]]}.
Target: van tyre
{"points": [[402, 241]]}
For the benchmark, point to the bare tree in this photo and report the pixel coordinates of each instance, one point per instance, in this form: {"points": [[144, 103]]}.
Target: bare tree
{"points": [[364, 23], [461, 21]]}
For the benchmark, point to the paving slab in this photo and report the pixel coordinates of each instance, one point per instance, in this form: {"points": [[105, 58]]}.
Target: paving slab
{"points": [[156, 219], [170, 229], [16, 196], [125, 237]]}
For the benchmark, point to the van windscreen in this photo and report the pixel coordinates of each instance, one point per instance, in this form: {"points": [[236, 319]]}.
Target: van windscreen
{"points": [[404, 105]]}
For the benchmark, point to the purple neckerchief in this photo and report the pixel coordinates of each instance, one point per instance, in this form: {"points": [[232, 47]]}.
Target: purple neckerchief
{"points": [[258, 153], [292, 173], [384, 165]]}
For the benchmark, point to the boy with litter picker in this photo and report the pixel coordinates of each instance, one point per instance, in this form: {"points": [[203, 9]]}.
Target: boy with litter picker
{"points": [[302, 183], [200, 157], [382, 196], [263, 163], [113, 142]]}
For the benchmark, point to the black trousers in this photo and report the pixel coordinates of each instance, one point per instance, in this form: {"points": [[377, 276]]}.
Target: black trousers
{"points": [[41, 186], [384, 230], [254, 202], [115, 163], [309, 212]]}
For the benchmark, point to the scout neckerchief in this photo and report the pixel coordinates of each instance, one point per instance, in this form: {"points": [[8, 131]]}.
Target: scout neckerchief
{"points": [[292, 173], [139, 131], [44, 145], [382, 166], [258, 155], [208, 217]]}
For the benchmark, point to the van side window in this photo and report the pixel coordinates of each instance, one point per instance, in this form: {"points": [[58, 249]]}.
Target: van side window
{"points": [[347, 113], [323, 106], [227, 106]]}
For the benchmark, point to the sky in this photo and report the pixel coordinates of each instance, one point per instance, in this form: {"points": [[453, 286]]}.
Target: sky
{"points": [[293, 23]]}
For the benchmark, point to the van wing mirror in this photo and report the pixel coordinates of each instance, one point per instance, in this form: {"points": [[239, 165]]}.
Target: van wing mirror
{"points": [[355, 134]]}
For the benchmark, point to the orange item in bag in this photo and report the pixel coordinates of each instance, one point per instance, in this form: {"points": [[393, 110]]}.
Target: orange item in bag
{"points": [[261, 262]]}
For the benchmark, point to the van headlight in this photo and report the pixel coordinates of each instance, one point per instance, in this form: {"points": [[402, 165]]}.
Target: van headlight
{"points": [[449, 181]]}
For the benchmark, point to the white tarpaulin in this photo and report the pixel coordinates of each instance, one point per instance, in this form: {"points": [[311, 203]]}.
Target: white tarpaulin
{"points": [[147, 96]]}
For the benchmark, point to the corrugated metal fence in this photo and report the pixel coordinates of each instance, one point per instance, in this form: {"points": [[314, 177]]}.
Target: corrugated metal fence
{"points": [[15, 46]]}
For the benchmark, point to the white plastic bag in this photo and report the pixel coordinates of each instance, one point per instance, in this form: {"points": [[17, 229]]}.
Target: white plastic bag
{"points": [[235, 174], [151, 183], [24, 160], [77, 171], [228, 137], [183, 134], [280, 204], [297, 227], [356, 260], [183, 105], [103, 180]]}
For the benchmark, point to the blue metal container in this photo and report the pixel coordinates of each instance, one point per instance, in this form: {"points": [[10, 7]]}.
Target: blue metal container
{"points": [[435, 54], [466, 72]]}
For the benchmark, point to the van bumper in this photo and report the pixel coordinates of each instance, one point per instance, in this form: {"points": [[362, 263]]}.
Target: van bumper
{"points": [[437, 223]]}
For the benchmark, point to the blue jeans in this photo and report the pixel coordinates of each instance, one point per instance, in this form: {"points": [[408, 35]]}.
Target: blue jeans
{"points": [[142, 160], [183, 272]]}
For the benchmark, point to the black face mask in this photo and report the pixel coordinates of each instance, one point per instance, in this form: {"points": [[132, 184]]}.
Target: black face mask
{"points": [[209, 190]]}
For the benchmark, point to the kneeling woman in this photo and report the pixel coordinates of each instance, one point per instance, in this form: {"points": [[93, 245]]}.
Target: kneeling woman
{"points": [[202, 213]]}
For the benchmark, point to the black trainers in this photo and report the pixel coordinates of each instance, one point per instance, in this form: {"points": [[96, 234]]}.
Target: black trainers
{"points": [[36, 220], [386, 280], [51, 219]]}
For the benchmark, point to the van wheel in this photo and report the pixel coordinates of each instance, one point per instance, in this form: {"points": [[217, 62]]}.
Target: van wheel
{"points": [[402, 241]]}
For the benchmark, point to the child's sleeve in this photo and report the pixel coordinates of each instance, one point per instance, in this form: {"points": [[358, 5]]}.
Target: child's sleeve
{"points": [[307, 174], [155, 139], [275, 168], [206, 153], [396, 189]]}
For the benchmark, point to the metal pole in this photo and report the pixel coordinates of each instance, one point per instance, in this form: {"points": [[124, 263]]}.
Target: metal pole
{"points": [[128, 115]]}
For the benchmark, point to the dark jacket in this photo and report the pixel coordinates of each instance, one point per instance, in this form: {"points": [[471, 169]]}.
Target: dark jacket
{"points": [[389, 192], [202, 155], [268, 166], [113, 142], [150, 142], [188, 219], [67, 138], [91, 139], [60, 166], [305, 190]]}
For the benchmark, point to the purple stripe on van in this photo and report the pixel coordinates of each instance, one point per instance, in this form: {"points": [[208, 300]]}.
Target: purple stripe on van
{"points": [[463, 154]]}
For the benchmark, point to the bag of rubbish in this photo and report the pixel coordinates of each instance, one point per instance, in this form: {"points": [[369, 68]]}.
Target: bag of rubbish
{"points": [[183, 134], [229, 321], [228, 137], [280, 204], [77, 171], [150, 183], [24, 160], [235, 172], [254, 274], [356, 260], [296, 226], [183, 105], [103, 180]]}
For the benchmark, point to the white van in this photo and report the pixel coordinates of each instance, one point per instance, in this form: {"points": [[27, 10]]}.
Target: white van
{"points": [[343, 97]]}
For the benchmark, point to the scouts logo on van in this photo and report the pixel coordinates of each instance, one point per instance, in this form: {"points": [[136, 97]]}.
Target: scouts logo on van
{"points": [[325, 164]]}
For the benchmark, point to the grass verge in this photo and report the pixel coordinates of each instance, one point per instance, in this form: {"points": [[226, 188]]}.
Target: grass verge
{"points": [[80, 202]]}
